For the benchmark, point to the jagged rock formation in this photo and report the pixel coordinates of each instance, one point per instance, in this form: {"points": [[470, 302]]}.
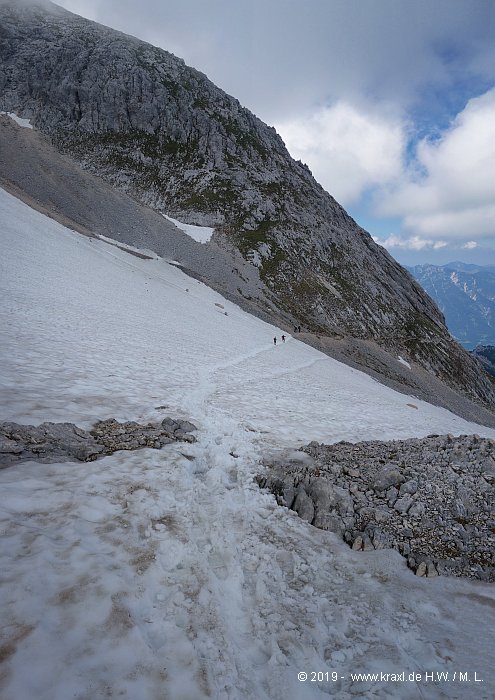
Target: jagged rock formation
{"points": [[164, 133], [432, 499], [56, 442]]}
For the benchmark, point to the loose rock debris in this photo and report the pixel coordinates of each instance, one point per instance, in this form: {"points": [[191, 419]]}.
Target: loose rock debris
{"points": [[432, 499]]}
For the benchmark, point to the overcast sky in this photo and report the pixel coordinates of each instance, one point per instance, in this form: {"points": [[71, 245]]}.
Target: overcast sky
{"points": [[391, 103]]}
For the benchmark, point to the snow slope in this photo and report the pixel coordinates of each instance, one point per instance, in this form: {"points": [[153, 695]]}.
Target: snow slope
{"points": [[202, 234], [25, 123], [169, 574]]}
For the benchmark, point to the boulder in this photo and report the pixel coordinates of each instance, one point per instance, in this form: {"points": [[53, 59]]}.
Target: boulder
{"points": [[388, 476]]}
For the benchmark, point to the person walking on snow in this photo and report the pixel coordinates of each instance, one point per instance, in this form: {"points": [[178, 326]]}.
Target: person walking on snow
{"points": [[283, 339], [275, 341]]}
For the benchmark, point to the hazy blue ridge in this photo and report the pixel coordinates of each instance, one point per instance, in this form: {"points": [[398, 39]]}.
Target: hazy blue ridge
{"points": [[465, 294]]}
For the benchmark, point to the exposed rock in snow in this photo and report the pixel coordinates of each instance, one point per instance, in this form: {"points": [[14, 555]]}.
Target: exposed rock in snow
{"points": [[48, 441], [55, 442]]}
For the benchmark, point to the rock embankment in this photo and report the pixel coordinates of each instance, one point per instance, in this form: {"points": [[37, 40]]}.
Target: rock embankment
{"points": [[432, 499], [51, 442]]}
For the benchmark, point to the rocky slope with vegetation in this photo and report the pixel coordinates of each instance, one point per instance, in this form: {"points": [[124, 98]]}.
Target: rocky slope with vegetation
{"points": [[486, 355], [162, 132]]}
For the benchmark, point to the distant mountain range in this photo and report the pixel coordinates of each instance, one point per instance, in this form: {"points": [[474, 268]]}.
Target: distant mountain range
{"points": [[466, 296]]}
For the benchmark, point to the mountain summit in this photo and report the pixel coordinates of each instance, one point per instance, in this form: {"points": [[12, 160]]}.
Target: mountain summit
{"points": [[163, 133]]}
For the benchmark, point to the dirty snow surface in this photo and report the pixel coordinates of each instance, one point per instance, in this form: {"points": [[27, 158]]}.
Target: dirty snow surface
{"points": [[202, 234], [25, 123], [168, 574], [404, 362]]}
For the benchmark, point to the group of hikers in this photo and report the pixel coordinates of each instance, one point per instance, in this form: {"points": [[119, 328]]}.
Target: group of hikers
{"points": [[297, 329]]}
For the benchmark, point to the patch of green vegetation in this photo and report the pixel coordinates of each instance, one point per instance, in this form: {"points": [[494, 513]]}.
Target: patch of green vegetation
{"points": [[342, 283], [300, 308], [172, 87], [201, 103], [423, 339], [309, 286], [248, 240], [271, 265], [232, 161], [245, 139], [417, 328], [271, 188], [219, 196], [130, 144]]}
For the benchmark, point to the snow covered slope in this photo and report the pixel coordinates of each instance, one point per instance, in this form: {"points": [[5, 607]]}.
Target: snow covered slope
{"points": [[169, 574], [202, 234], [25, 123]]}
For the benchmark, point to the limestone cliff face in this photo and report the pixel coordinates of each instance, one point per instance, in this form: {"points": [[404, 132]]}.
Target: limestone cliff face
{"points": [[162, 132]]}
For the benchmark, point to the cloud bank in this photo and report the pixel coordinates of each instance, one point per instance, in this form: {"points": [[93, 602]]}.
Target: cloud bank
{"points": [[442, 188]]}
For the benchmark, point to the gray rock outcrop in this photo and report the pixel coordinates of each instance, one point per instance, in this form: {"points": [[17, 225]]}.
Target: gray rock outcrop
{"points": [[161, 131], [432, 499], [53, 442]]}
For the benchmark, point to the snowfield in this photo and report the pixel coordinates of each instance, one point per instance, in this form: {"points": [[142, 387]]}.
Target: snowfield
{"points": [[25, 123], [168, 574], [202, 234]]}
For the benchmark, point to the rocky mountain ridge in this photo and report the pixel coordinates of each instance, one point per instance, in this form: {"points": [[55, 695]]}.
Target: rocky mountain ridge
{"points": [[466, 295], [162, 132]]}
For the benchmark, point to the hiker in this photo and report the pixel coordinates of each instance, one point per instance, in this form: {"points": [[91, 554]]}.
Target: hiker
{"points": [[299, 329], [295, 329], [275, 341], [283, 339]]}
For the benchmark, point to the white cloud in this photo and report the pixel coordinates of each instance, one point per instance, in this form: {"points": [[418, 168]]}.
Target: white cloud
{"points": [[411, 243], [455, 195], [348, 149], [470, 245]]}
